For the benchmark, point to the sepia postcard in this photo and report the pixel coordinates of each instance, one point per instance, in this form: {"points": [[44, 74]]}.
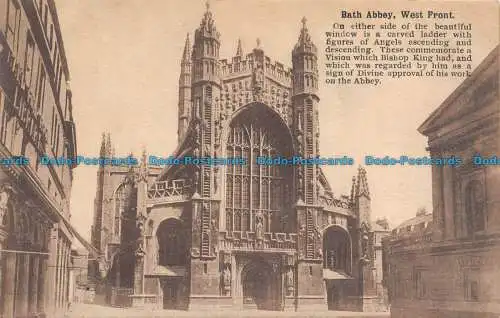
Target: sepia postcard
{"points": [[249, 158]]}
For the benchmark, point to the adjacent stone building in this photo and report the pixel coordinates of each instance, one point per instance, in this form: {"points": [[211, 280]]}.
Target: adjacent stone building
{"points": [[236, 236], [79, 291], [446, 264], [35, 120]]}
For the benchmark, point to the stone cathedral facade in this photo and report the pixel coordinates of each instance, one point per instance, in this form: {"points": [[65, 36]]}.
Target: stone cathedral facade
{"points": [[241, 236]]}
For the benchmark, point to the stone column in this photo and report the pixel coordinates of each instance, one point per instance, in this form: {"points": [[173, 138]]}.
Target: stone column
{"points": [[234, 282], [138, 275], [42, 282], [1, 267], [63, 276], [33, 291], [139, 281], [67, 277], [437, 200], [51, 274], [448, 198], [116, 285], [57, 294], [23, 285], [9, 284]]}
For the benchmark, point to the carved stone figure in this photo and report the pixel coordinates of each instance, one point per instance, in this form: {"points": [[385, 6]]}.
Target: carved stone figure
{"points": [[259, 226], [195, 252], [141, 249], [299, 121], [227, 278], [319, 252], [196, 179], [302, 230], [207, 150], [216, 178], [290, 281], [300, 183], [259, 77], [213, 225]]}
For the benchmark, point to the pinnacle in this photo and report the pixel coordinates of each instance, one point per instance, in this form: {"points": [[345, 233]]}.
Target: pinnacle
{"points": [[208, 23], [239, 50], [186, 55], [305, 42]]}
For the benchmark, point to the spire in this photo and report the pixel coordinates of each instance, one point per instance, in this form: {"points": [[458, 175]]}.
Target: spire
{"points": [[305, 43], [353, 189], [143, 168], [186, 54], [362, 184], [102, 151], [239, 49], [108, 145]]}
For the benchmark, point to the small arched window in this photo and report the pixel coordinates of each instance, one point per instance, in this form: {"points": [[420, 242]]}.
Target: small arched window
{"points": [[474, 207]]}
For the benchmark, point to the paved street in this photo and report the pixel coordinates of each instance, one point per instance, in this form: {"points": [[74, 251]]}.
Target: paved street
{"points": [[95, 311]]}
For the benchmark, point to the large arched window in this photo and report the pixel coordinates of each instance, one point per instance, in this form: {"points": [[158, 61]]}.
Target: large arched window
{"points": [[474, 207], [119, 202], [171, 243], [257, 190]]}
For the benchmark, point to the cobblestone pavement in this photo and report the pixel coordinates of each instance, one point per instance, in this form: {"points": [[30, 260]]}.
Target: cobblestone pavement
{"points": [[95, 311]]}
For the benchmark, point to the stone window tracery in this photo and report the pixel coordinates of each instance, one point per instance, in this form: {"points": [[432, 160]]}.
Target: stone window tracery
{"points": [[254, 188]]}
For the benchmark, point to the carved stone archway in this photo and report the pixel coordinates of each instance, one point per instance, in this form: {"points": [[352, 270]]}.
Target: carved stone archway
{"points": [[337, 249]]}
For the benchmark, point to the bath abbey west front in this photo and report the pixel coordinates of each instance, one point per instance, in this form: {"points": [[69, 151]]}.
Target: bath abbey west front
{"points": [[240, 236]]}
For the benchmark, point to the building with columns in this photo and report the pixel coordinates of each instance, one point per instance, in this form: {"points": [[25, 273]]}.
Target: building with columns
{"points": [[236, 236], [445, 264], [35, 120]]}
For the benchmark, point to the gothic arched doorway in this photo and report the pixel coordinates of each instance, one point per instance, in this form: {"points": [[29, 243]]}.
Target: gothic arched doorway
{"points": [[258, 286], [336, 265], [172, 262], [337, 250], [172, 247]]}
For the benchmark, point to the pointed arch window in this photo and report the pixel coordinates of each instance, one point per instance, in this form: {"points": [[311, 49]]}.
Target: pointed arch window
{"points": [[119, 207], [254, 188]]}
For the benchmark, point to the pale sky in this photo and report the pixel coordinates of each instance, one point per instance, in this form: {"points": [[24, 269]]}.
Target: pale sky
{"points": [[124, 64]]}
